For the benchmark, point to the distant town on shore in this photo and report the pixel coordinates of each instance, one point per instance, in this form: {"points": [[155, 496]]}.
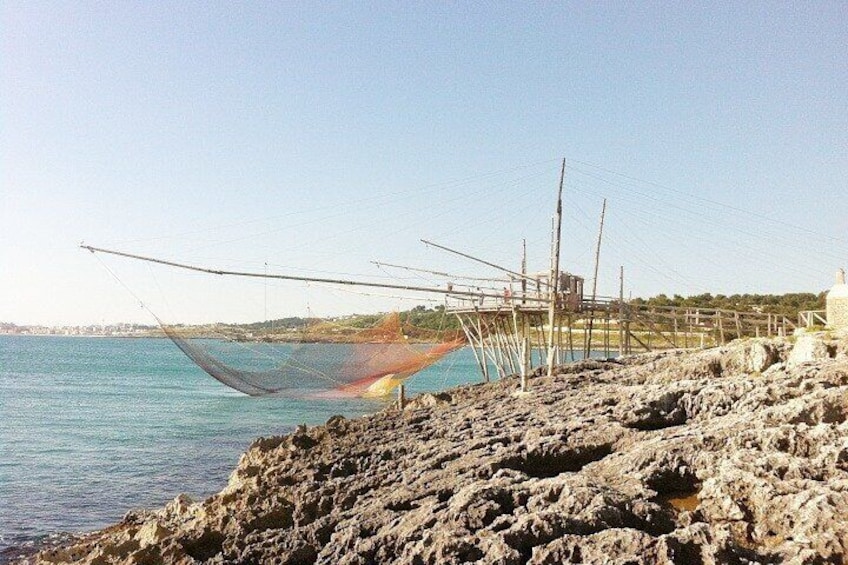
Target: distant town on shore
{"points": [[106, 330]]}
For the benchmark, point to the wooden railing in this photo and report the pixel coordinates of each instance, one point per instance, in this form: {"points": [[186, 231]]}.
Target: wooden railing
{"points": [[664, 326], [810, 318]]}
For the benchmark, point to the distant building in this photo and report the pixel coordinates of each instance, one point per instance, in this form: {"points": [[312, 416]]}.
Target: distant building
{"points": [[837, 303]]}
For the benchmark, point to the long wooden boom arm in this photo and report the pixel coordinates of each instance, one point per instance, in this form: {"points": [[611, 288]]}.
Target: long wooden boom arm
{"points": [[430, 289]]}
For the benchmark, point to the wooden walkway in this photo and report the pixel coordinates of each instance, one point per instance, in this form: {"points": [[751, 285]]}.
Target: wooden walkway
{"points": [[512, 333]]}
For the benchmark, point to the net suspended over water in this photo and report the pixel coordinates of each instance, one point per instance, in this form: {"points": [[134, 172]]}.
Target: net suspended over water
{"points": [[320, 359]]}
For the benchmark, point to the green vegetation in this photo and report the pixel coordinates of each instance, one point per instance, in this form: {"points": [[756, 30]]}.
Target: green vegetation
{"points": [[430, 318], [419, 317], [293, 323], [783, 304], [420, 323]]}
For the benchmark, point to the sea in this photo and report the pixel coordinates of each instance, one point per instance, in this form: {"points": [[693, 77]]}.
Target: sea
{"points": [[92, 427]]}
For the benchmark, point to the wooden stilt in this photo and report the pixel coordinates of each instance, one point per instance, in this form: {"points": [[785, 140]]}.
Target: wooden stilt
{"points": [[401, 392], [621, 345]]}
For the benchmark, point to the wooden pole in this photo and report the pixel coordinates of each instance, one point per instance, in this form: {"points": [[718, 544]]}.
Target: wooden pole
{"points": [[688, 326], [553, 285], [473, 343], [493, 343], [483, 351], [522, 336], [570, 338], [438, 273], [472, 258], [496, 337], [401, 396], [560, 348], [539, 339], [595, 281], [526, 347], [675, 330], [621, 310], [509, 346], [524, 271]]}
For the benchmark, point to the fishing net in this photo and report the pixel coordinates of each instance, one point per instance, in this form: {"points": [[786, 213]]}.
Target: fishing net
{"points": [[319, 359]]}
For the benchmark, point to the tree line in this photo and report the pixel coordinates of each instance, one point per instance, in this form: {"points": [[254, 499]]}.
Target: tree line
{"points": [[437, 319], [782, 304]]}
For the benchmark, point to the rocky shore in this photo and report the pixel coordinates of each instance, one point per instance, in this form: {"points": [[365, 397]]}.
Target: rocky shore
{"points": [[737, 454]]}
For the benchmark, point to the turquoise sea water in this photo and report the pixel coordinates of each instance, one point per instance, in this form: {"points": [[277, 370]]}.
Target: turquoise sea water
{"points": [[93, 427]]}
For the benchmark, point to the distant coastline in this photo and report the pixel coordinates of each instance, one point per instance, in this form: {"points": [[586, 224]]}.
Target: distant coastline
{"points": [[159, 334], [106, 330]]}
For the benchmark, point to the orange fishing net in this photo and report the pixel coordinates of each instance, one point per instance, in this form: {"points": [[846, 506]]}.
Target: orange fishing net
{"points": [[324, 360]]}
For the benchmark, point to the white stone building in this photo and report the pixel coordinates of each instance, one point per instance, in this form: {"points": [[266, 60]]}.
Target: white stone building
{"points": [[837, 303]]}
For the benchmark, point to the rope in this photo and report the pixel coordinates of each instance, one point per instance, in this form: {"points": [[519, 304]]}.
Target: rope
{"points": [[127, 288]]}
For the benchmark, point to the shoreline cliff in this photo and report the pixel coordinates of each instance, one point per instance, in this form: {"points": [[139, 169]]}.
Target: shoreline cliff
{"points": [[737, 454]]}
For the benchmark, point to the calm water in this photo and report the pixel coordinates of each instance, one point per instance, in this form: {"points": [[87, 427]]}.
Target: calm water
{"points": [[93, 427]]}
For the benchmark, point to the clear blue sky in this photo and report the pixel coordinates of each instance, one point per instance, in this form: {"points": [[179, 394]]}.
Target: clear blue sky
{"points": [[318, 136]]}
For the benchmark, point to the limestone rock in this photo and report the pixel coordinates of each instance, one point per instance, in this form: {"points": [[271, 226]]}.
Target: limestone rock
{"points": [[151, 533], [809, 347]]}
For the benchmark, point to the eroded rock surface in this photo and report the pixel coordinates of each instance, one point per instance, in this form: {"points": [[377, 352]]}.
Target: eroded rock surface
{"points": [[729, 455]]}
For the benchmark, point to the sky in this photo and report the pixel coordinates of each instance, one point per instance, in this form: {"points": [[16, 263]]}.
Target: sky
{"points": [[313, 138]]}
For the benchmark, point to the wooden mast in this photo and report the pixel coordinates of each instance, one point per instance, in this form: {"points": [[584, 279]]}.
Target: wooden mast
{"points": [[588, 340], [524, 271], [553, 284], [621, 348], [526, 347]]}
